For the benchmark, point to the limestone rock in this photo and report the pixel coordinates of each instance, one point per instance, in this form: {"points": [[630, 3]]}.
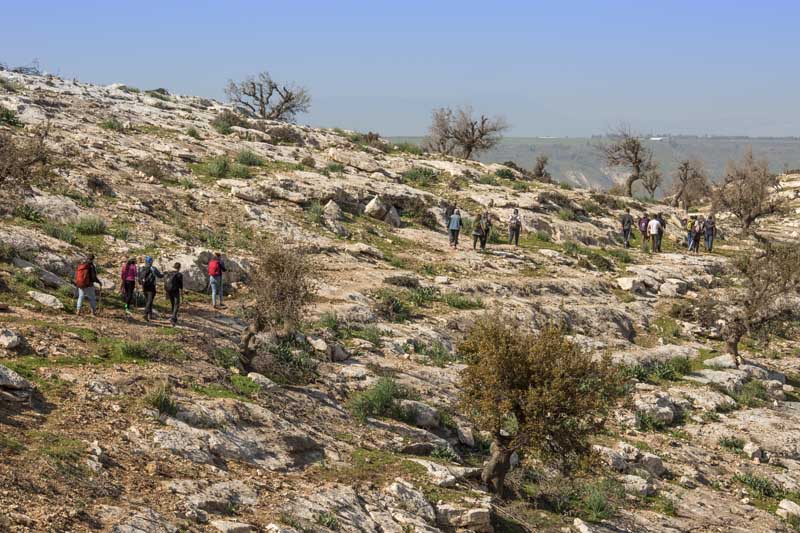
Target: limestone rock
{"points": [[358, 160], [47, 300], [145, 521], [637, 485], [788, 509], [219, 497], [392, 217], [653, 464], [229, 526], [13, 381], [447, 476], [612, 458], [753, 451], [412, 500], [657, 405], [262, 381], [376, 209], [9, 340], [470, 515], [634, 285], [421, 414]]}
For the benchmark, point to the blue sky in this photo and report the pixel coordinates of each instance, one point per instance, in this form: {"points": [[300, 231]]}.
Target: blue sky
{"points": [[551, 68]]}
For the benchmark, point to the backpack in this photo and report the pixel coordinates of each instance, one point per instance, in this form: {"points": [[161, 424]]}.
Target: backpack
{"points": [[83, 276], [169, 282], [643, 224], [214, 268], [698, 227], [147, 278], [689, 225]]}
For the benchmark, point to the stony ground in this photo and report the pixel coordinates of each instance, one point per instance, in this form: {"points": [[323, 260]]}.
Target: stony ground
{"points": [[114, 424]]}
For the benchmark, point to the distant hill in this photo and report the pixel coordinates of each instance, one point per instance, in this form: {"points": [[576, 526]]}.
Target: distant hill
{"points": [[576, 161]]}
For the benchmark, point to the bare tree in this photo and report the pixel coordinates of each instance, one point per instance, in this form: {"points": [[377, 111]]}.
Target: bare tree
{"points": [[262, 97], [460, 133], [747, 191], [626, 150], [540, 171], [691, 183], [651, 177], [767, 292]]}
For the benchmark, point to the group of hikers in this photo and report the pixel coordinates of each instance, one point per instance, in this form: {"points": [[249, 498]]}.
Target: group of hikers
{"points": [[146, 277], [482, 227], [652, 230]]}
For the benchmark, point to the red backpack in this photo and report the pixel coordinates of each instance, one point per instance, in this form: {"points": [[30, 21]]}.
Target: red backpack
{"points": [[83, 276], [214, 268]]}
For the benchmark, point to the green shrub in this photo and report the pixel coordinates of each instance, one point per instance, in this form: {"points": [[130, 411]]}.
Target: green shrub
{"points": [[369, 333], [759, 486], [218, 167], [62, 233], [244, 385], [9, 118], [193, 133], [161, 399], [150, 167], [27, 278], [308, 162], [542, 236], [90, 225], [239, 171], [621, 255], [113, 124], [315, 213], [645, 422], [226, 358], [288, 362], [752, 394], [421, 176], [565, 186], [520, 186], [407, 148], [327, 520], [382, 399], [226, 120], [391, 307], [333, 168], [670, 370], [505, 173], [160, 94], [249, 158], [457, 301], [421, 296], [488, 179], [732, 443], [27, 212], [567, 214], [147, 351], [446, 454], [597, 501], [438, 354]]}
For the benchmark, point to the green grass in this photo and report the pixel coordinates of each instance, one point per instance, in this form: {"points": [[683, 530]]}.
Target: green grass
{"points": [[598, 500], [193, 133], [218, 167], [458, 301], [9, 118], [146, 351], [112, 124], [315, 213], [758, 486], [438, 354], [244, 385], [380, 400], [160, 398], [752, 394], [328, 520], [90, 225], [249, 158], [63, 453], [731, 443], [9, 444], [29, 213], [422, 177], [660, 371]]}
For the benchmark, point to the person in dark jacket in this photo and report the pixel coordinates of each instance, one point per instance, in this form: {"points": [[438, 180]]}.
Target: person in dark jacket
{"points": [[483, 226], [514, 227], [644, 221], [85, 278], [173, 286], [627, 227], [662, 224], [710, 228], [454, 226], [148, 275]]}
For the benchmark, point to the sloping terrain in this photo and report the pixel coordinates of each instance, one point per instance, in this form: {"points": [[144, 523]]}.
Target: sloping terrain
{"points": [[110, 423]]}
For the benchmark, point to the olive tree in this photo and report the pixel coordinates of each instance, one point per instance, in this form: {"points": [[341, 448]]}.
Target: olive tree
{"points": [[262, 97], [537, 394], [461, 134], [691, 184], [540, 172], [768, 290], [747, 191], [624, 149], [651, 178]]}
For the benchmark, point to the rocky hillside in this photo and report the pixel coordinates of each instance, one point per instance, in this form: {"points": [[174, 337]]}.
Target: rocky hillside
{"points": [[110, 423]]}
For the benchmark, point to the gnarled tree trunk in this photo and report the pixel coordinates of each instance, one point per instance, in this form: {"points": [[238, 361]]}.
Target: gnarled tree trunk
{"points": [[498, 465]]}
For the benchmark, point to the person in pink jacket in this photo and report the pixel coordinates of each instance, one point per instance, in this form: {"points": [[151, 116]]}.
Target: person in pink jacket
{"points": [[128, 283]]}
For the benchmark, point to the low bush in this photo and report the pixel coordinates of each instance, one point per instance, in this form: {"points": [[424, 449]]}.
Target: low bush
{"points": [[382, 400], [160, 398], [391, 307], [29, 213], [505, 173], [407, 148], [421, 177], [285, 135], [60, 232], [567, 214], [150, 167], [226, 120], [9, 118], [193, 133], [333, 168], [249, 158], [732, 443], [308, 161], [315, 213], [91, 225], [458, 301], [438, 354], [113, 124], [759, 486], [244, 385], [239, 171], [488, 179], [286, 362], [218, 167]]}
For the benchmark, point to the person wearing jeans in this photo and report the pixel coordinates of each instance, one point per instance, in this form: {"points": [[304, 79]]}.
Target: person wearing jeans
{"points": [[173, 286], [85, 278], [87, 293], [215, 269], [454, 225], [147, 277]]}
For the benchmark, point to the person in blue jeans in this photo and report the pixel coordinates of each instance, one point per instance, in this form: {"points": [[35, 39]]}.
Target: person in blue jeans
{"points": [[454, 225], [215, 269], [710, 228]]}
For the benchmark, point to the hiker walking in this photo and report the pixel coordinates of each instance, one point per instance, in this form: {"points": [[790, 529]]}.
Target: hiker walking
{"points": [[514, 227], [644, 221], [128, 276], [482, 228], [697, 233], [173, 286], [448, 212], [627, 227], [662, 226], [690, 232], [148, 275], [653, 227], [710, 229], [85, 278], [454, 226], [215, 269]]}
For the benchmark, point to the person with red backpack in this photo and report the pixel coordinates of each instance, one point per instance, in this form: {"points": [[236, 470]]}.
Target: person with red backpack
{"points": [[85, 278], [215, 269]]}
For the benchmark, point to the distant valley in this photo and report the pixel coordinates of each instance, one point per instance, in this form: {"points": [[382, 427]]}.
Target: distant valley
{"points": [[576, 160]]}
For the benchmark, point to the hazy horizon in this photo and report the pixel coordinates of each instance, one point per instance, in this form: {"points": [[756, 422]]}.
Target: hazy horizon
{"points": [[572, 69]]}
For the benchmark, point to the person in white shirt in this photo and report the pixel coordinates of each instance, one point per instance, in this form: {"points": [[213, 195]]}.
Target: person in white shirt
{"points": [[653, 230]]}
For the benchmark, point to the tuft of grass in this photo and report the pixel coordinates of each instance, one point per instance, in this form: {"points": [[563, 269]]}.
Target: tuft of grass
{"points": [[146, 351], [333, 168], [752, 394], [90, 225], [9, 444], [240, 171], [249, 158], [193, 133], [63, 453], [218, 167], [160, 398], [9, 118], [29, 213], [226, 358], [421, 177], [567, 214], [657, 371], [731, 443], [328, 520], [458, 301], [379, 400], [758, 485], [391, 306], [598, 500], [438, 354], [60, 232], [244, 385], [315, 213], [113, 124]]}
